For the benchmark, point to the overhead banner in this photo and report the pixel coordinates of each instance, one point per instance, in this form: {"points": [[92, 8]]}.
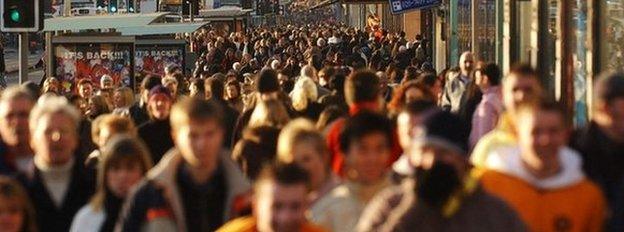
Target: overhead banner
{"points": [[74, 62], [152, 59], [401, 6]]}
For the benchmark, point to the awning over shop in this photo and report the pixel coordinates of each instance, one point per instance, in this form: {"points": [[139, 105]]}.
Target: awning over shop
{"points": [[161, 29], [224, 12], [323, 4], [96, 22]]}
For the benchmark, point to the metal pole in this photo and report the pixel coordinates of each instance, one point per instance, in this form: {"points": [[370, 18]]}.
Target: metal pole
{"points": [[567, 61], [191, 10], [453, 34], [67, 8], [475, 28], [48, 55], [23, 57]]}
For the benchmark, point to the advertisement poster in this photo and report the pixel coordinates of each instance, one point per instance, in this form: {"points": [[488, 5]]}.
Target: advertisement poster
{"points": [[77, 61], [152, 59]]}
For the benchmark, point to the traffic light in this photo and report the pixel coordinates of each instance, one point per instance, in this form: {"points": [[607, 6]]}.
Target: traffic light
{"points": [[21, 15], [131, 6], [187, 3], [112, 6]]}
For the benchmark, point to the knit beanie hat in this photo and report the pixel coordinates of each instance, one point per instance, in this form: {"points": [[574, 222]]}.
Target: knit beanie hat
{"points": [[444, 129], [160, 90], [267, 82]]}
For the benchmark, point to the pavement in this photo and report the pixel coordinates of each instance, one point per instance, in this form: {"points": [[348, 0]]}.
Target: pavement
{"points": [[33, 75], [11, 61], [12, 66]]}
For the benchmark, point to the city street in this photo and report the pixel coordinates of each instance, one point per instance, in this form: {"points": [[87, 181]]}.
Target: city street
{"points": [[12, 66], [313, 116]]}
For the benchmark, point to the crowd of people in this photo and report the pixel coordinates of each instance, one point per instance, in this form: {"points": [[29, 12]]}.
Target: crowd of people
{"points": [[311, 128]]}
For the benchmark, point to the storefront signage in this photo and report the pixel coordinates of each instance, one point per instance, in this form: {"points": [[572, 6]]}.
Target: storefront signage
{"points": [[401, 6]]}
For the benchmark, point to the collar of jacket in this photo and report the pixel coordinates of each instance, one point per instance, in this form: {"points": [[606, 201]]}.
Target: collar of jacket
{"points": [[507, 160], [471, 182], [361, 106], [165, 171]]}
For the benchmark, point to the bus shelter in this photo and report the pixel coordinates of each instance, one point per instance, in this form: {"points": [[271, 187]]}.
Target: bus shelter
{"points": [[126, 47]]}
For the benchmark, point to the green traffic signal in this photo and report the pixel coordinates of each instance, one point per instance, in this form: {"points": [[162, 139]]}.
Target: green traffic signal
{"points": [[15, 15]]}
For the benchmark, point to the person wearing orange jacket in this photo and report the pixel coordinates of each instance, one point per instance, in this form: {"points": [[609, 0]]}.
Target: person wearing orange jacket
{"points": [[541, 178], [279, 203]]}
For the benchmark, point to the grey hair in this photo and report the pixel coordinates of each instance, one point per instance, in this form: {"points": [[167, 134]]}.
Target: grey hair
{"points": [[15, 92], [49, 104]]}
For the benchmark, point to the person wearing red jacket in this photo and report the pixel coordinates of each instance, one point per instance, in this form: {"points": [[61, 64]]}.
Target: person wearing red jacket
{"points": [[362, 94]]}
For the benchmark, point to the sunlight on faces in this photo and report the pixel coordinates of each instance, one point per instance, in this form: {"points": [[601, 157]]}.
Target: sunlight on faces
{"points": [[107, 83], [368, 157], [405, 128], [81, 104], [615, 111], [11, 214], [307, 156], [14, 121], [518, 90], [280, 208], [541, 135], [160, 106], [193, 90], [122, 176], [55, 138], [231, 91], [85, 90], [199, 142], [172, 86], [118, 99], [466, 61]]}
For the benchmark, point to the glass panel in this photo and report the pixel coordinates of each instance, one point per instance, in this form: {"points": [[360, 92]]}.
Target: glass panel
{"points": [[522, 29], [549, 47], [614, 52], [486, 30], [464, 27], [579, 17]]}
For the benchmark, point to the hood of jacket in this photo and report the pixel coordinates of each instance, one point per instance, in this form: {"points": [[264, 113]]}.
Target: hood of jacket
{"points": [[508, 160]]}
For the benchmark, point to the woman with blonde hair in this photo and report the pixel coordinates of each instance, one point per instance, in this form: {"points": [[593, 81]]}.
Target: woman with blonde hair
{"points": [[269, 113], [124, 163], [123, 99], [51, 85], [97, 106], [304, 99], [16, 210], [301, 143]]}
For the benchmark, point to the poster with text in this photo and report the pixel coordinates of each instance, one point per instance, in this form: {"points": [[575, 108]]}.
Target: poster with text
{"points": [[152, 59], [74, 62]]}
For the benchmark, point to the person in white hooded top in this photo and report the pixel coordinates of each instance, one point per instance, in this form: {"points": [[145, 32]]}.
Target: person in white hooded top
{"points": [[541, 178]]}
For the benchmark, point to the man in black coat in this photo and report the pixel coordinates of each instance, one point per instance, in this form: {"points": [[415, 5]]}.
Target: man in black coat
{"points": [[57, 183], [215, 91], [601, 144], [156, 133]]}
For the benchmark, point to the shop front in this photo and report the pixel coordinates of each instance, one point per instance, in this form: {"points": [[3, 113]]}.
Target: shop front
{"points": [[569, 42]]}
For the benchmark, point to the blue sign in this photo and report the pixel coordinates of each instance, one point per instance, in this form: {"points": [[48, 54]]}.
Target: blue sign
{"points": [[400, 6]]}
